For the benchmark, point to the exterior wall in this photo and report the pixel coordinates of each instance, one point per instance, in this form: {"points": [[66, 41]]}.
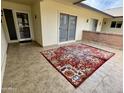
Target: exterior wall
{"points": [[36, 16], [107, 38], [15, 7], [4, 45], [107, 27], [50, 13]]}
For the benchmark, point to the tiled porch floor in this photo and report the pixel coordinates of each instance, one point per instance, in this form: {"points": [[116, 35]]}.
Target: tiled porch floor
{"points": [[27, 71]]}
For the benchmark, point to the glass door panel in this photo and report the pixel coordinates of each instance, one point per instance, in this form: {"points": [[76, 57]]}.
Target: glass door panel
{"points": [[23, 24], [72, 27], [93, 24], [63, 29]]}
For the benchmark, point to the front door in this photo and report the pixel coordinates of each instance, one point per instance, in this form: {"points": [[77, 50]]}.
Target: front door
{"points": [[94, 23], [10, 24], [23, 26], [67, 27]]}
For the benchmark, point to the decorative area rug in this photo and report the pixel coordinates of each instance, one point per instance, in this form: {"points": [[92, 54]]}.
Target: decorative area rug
{"points": [[76, 62]]}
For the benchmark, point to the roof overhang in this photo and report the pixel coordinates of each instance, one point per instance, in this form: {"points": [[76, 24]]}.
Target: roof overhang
{"points": [[69, 1], [79, 1], [118, 16], [91, 8]]}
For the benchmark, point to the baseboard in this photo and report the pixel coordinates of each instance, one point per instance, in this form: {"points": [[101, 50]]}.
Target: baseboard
{"points": [[3, 68], [13, 41], [78, 40], [50, 45]]}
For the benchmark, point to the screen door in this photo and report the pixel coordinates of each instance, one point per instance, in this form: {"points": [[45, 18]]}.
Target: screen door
{"points": [[23, 24]]}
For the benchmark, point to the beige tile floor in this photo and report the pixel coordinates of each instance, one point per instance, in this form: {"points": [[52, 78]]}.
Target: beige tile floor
{"points": [[27, 71]]}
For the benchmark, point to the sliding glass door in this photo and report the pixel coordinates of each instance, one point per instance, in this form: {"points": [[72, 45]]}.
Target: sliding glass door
{"points": [[72, 27], [63, 34], [67, 27]]}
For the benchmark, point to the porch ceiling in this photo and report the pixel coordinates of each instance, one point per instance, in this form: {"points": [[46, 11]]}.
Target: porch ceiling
{"points": [[29, 2], [69, 1]]}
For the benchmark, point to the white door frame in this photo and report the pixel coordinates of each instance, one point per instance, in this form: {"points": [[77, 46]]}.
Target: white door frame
{"points": [[92, 24], [17, 26], [58, 25]]}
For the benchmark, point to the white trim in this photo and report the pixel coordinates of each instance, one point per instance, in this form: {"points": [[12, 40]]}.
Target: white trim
{"points": [[71, 41], [17, 26], [58, 25], [3, 68], [13, 41], [25, 39]]}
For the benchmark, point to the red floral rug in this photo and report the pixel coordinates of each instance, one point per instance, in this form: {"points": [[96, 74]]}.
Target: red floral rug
{"points": [[76, 62]]}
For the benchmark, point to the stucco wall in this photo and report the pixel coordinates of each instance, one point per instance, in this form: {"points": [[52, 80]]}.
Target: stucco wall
{"points": [[50, 15], [4, 45], [36, 16], [107, 27]]}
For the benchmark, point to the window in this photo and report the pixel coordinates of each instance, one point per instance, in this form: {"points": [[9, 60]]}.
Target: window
{"points": [[113, 24], [116, 24]]}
